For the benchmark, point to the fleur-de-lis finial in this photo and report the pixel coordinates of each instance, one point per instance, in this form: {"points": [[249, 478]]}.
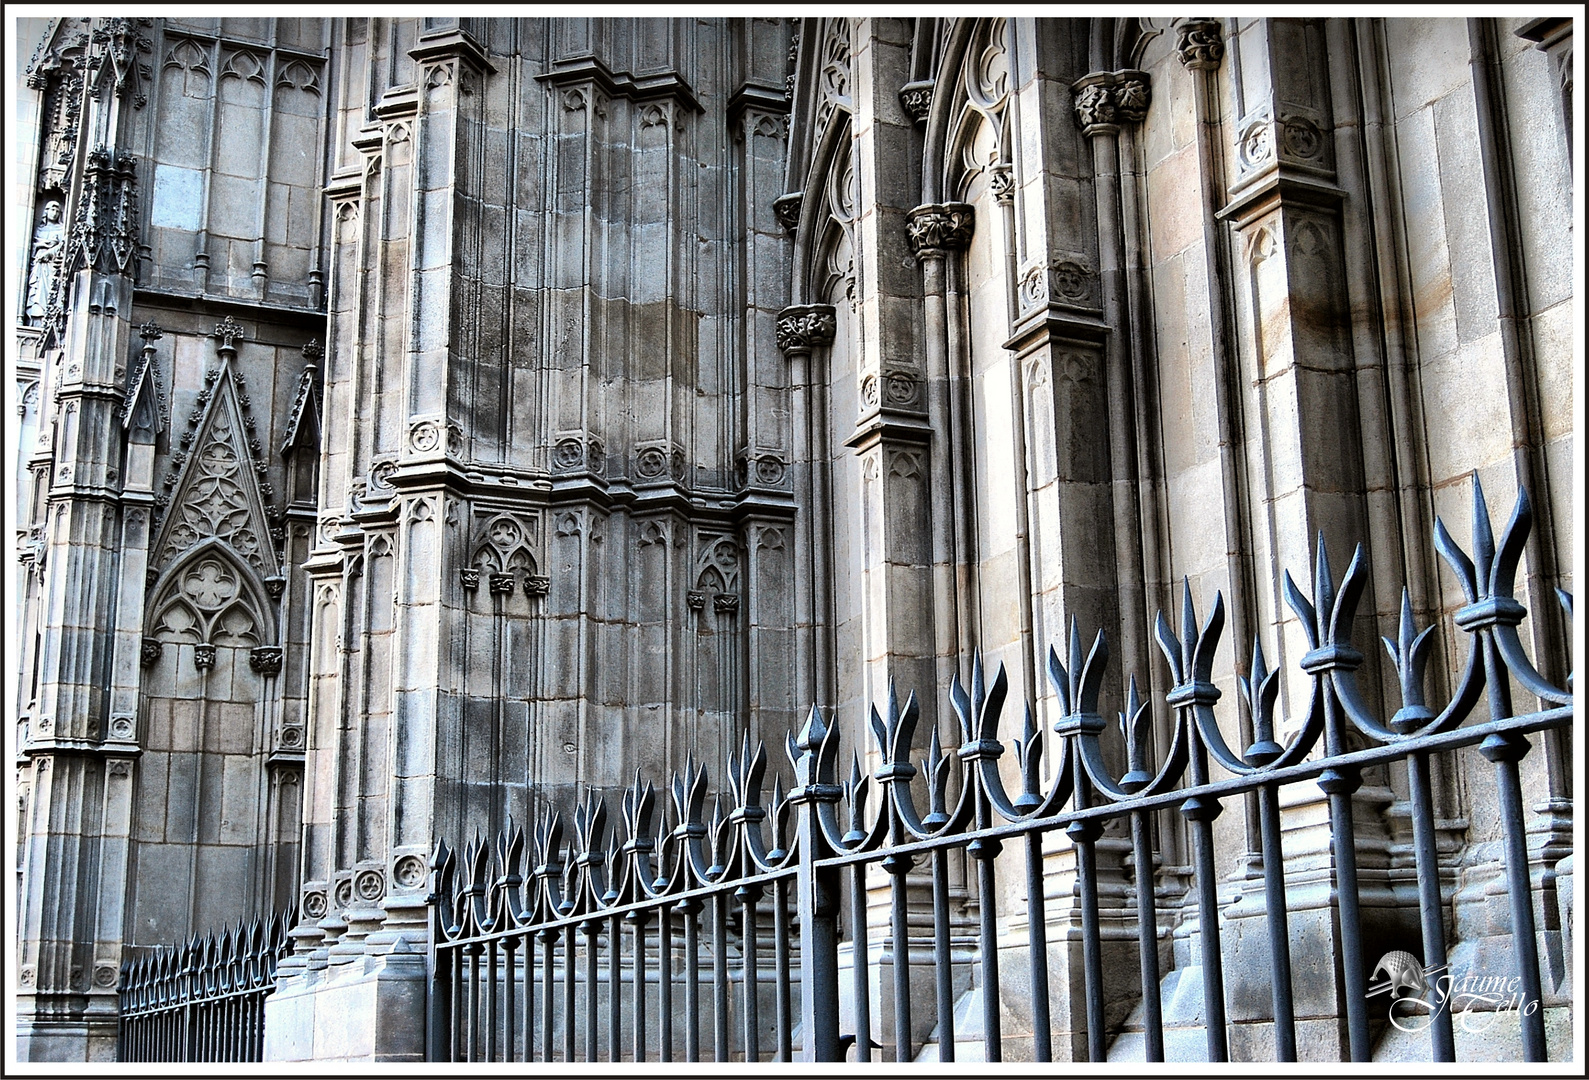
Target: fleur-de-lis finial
{"points": [[858, 786], [1029, 757], [1077, 686], [893, 733], [1261, 689], [1409, 653], [228, 331], [1134, 726]]}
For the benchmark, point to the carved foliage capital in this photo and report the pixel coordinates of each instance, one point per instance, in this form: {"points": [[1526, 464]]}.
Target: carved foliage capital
{"points": [[1198, 43], [938, 227], [916, 97], [805, 327], [1105, 99]]}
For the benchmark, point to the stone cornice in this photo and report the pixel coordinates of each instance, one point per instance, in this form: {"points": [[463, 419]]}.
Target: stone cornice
{"points": [[753, 97], [663, 84], [888, 427], [1279, 186], [1053, 324], [209, 303], [452, 42]]}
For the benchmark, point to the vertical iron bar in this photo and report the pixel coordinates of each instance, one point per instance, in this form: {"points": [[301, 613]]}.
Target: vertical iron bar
{"points": [[1339, 784], [615, 988], [1431, 908], [1037, 945], [455, 1028], [491, 1000], [548, 970], [509, 1002], [639, 918], [899, 930], [1147, 937], [720, 976], [1274, 891], [692, 980], [748, 957], [861, 972], [817, 907], [473, 1031], [439, 1012], [780, 952], [984, 852], [1084, 834], [942, 967], [665, 982], [1201, 811], [592, 928], [570, 972], [1505, 751], [527, 1020]]}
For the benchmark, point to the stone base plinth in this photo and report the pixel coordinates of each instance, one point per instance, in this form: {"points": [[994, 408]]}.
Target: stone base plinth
{"points": [[371, 1009]]}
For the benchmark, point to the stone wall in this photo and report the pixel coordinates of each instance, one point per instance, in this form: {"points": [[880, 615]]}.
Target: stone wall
{"points": [[425, 421]]}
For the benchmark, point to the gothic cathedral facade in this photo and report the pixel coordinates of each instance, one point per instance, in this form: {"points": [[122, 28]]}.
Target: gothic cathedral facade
{"points": [[423, 421]]}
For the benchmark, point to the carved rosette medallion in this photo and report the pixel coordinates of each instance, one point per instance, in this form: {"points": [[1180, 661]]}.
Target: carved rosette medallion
{"points": [[409, 872], [369, 885], [938, 227], [805, 327], [314, 904]]}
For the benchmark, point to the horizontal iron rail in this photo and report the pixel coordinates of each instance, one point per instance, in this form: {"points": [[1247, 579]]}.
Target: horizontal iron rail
{"points": [[1376, 755], [650, 903], [195, 999]]}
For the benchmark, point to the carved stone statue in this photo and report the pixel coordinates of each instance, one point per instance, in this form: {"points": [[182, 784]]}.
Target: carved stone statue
{"points": [[49, 249]]}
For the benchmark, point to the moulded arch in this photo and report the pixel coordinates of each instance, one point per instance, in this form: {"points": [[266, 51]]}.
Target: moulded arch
{"points": [[250, 590]]}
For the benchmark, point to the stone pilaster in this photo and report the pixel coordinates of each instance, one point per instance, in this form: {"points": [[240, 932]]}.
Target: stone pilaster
{"points": [[804, 333], [64, 1014]]}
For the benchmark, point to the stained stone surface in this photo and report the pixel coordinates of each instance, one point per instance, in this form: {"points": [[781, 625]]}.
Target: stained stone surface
{"points": [[423, 422]]}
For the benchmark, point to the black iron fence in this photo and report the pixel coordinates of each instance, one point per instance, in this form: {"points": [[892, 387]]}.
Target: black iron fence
{"points": [[205, 1000], [554, 947]]}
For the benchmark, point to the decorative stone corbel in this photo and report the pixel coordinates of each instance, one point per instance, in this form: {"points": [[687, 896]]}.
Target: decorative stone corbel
{"points": [[1104, 100], [1199, 44], [804, 327], [916, 97], [935, 228]]}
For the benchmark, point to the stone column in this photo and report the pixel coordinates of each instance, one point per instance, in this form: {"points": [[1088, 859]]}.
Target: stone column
{"points": [[69, 844], [1294, 375], [382, 717], [935, 231], [1106, 102], [805, 331]]}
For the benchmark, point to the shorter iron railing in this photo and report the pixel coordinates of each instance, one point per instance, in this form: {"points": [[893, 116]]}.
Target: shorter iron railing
{"points": [[516, 960], [205, 1000]]}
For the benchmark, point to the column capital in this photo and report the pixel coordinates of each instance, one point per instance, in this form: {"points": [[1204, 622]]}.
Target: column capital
{"points": [[803, 327], [934, 228], [1104, 100], [1198, 43], [916, 97]]}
